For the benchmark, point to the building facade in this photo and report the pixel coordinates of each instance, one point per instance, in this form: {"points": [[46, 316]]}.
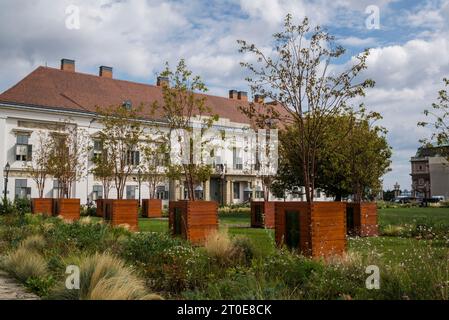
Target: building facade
{"points": [[48, 97], [430, 173]]}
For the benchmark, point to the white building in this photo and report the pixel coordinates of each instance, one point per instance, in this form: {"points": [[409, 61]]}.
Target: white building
{"points": [[49, 96]]}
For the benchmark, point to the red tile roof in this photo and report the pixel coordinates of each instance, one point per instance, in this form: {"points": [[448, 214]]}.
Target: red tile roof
{"points": [[53, 88]]}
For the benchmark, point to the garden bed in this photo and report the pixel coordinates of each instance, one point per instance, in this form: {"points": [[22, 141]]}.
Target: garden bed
{"points": [[193, 220], [68, 209], [152, 208], [173, 268], [122, 213], [316, 230], [42, 206], [262, 214], [362, 219]]}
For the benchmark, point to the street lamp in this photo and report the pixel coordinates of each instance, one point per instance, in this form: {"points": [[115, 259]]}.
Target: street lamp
{"points": [[6, 174], [199, 192], [248, 191]]}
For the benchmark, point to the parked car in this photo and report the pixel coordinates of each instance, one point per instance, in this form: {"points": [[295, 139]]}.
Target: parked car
{"points": [[405, 199]]}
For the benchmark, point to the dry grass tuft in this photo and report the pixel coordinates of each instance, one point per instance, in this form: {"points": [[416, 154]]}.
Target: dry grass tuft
{"points": [[85, 220], [35, 242], [105, 277], [393, 230], [218, 245], [25, 263], [347, 259]]}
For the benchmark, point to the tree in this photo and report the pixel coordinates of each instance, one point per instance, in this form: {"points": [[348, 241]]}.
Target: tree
{"points": [[440, 114], [287, 178], [300, 78], [188, 119], [67, 157], [153, 166], [354, 158], [120, 138], [389, 195], [38, 166], [369, 158], [334, 174], [103, 170]]}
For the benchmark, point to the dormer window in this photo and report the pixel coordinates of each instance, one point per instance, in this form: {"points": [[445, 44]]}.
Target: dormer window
{"points": [[127, 104]]}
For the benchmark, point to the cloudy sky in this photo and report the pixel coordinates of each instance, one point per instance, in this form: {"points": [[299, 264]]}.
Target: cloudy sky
{"points": [[409, 59]]}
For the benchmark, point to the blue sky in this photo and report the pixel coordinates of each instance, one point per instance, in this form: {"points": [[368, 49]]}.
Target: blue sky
{"points": [[410, 50]]}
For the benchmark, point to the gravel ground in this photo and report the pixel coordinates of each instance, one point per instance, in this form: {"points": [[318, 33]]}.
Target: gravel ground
{"points": [[10, 289]]}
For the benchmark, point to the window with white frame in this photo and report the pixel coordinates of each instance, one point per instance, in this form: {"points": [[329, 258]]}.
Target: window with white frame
{"points": [[131, 192], [259, 192], [97, 192], [236, 159], [57, 189], [98, 149], [161, 193], [133, 158], [21, 189], [24, 150], [236, 189]]}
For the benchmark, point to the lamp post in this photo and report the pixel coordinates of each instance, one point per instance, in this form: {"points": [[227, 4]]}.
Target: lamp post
{"points": [[248, 190], [6, 174], [199, 191]]}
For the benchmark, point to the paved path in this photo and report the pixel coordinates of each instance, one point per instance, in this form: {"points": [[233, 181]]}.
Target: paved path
{"points": [[10, 289]]}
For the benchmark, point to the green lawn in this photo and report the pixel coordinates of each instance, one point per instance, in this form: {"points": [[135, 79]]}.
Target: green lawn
{"points": [[396, 250], [236, 224], [391, 248], [400, 216], [153, 225]]}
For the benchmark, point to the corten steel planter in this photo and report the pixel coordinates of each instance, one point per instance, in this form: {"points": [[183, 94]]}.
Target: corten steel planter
{"points": [[42, 206], [69, 209], [361, 219], [315, 230], [262, 214], [122, 213], [152, 208], [193, 220], [100, 207]]}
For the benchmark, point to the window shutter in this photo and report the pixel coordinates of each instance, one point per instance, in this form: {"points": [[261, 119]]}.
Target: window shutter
{"points": [[128, 157], [137, 157], [29, 152]]}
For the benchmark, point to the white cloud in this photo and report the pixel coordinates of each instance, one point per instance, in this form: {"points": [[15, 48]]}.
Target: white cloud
{"points": [[357, 42], [408, 78], [432, 14]]}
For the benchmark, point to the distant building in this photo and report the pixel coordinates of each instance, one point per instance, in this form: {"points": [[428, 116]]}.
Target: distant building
{"points": [[430, 172]]}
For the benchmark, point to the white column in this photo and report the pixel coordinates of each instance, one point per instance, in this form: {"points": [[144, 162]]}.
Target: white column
{"points": [[207, 190], [4, 153]]}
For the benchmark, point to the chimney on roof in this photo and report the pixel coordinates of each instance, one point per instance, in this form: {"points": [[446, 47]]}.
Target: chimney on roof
{"points": [[162, 81], [258, 98], [233, 94], [242, 95], [68, 65], [105, 72]]}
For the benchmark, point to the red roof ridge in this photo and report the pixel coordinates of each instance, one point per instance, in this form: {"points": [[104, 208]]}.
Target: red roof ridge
{"points": [[49, 87], [118, 80]]}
